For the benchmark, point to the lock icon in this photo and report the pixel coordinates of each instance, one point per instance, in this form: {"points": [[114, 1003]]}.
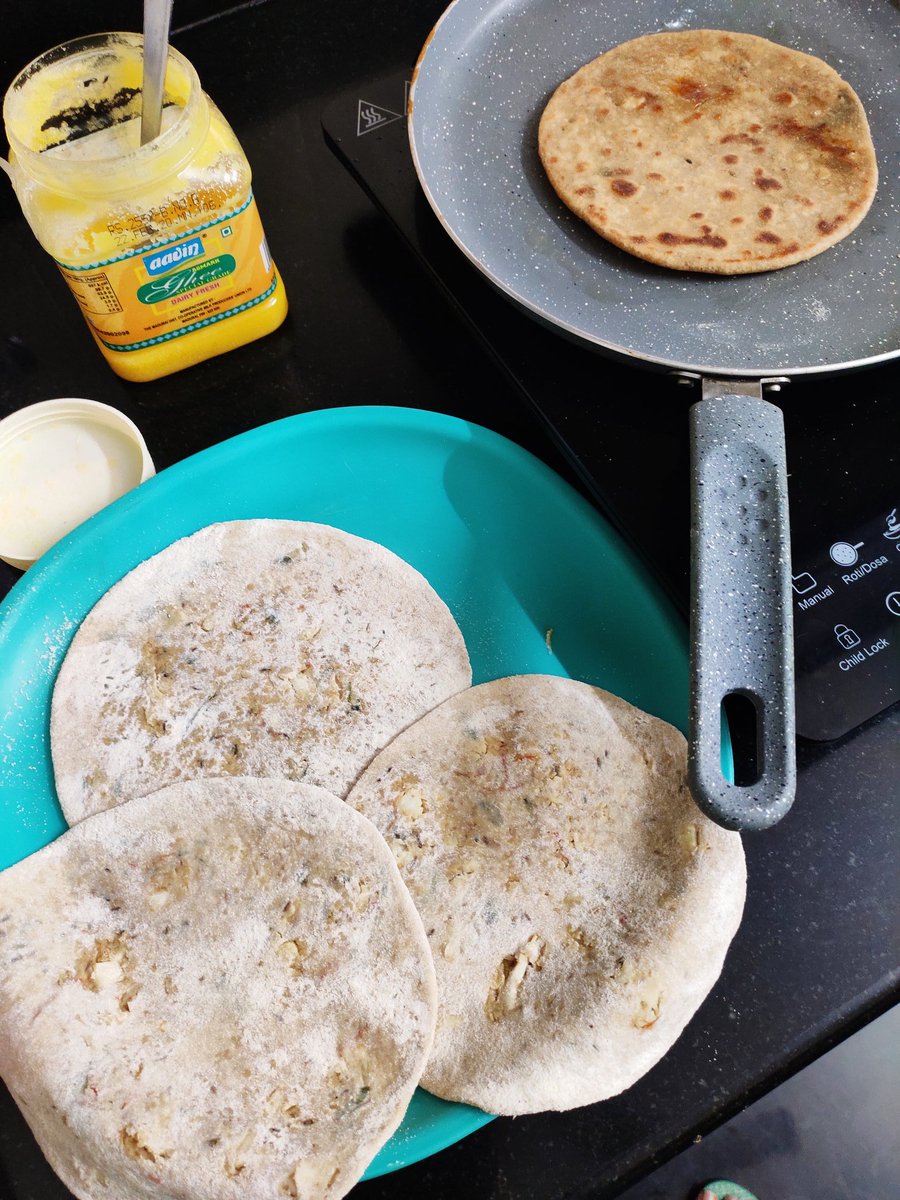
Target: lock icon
{"points": [[847, 637]]}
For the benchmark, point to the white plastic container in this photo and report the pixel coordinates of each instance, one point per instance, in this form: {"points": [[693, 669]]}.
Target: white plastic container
{"points": [[60, 462]]}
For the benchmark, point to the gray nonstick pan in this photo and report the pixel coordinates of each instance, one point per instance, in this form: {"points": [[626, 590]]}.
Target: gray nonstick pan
{"points": [[480, 85]]}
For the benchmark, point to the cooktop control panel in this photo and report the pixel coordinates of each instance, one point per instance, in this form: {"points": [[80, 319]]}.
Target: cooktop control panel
{"points": [[847, 626]]}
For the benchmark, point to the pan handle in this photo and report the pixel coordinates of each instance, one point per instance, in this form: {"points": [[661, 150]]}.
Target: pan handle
{"points": [[741, 621]]}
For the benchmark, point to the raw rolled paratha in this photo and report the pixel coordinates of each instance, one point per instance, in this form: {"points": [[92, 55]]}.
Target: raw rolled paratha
{"points": [[577, 903], [219, 990], [711, 151], [267, 648]]}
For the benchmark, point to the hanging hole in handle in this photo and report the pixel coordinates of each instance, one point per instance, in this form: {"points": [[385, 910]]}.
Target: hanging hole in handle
{"points": [[740, 711]]}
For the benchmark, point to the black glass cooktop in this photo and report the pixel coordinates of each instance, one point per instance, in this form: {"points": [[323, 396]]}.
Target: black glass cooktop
{"points": [[816, 955], [842, 442]]}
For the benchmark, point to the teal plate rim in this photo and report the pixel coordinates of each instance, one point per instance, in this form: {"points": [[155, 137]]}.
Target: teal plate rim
{"points": [[536, 578]]}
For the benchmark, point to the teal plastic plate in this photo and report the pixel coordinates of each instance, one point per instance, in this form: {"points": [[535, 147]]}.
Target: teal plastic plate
{"points": [[533, 574]]}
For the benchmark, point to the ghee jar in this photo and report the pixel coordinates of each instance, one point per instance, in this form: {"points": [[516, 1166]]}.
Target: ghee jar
{"points": [[161, 245]]}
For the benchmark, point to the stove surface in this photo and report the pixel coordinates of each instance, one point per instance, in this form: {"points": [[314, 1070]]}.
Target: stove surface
{"points": [[623, 429], [798, 978], [816, 956]]}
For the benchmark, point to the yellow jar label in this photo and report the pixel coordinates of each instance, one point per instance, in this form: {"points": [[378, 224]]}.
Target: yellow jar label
{"points": [[145, 297]]}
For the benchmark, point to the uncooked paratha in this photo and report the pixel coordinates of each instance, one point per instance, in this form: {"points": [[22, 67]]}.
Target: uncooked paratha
{"points": [[577, 903], [711, 151], [221, 989], [267, 648]]}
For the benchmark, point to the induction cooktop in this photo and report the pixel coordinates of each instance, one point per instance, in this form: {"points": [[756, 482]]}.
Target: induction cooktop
{"points": [[623, 431]]}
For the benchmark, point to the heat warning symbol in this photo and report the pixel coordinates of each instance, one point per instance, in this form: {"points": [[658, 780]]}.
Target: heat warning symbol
{"points": [[373, 116]]}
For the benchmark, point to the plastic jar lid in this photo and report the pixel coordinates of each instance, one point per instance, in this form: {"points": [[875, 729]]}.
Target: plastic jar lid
{"points": [[60, 462]]}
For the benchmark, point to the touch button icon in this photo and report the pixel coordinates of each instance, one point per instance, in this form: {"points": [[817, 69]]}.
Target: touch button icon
{"points": [[847, 637]]}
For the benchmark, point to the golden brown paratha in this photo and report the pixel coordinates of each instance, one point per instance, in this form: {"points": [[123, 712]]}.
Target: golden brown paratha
{"points": [[577, 903], [711, 151], [218, 990]]}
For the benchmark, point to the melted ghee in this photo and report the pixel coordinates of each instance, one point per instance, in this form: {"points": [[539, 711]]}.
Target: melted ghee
{"points": [[162, 244]]}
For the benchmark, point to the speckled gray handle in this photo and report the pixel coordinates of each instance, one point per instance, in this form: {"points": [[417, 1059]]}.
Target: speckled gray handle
{"points": [[741, 627]]}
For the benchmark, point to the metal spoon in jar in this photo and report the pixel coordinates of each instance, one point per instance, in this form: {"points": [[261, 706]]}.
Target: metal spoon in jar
{"points": [[157, 17]]}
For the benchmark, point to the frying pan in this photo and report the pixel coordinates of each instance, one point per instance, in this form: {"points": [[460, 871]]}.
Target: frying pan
{"points": [[481, 83]]}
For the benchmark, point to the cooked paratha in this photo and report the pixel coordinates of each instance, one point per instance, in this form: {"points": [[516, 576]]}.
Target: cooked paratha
{"points": [[268, 648], [219, 990], [578, 904], [711, 151]]}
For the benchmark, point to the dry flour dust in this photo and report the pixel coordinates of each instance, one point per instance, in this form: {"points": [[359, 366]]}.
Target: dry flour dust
{"points": [[268, 648], [577, 903], [218, 989]]}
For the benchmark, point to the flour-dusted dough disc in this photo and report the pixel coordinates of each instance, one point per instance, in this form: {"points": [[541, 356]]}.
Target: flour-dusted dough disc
{"points": [[711, 151], [578, 904], [268, 648], [219, 990]]}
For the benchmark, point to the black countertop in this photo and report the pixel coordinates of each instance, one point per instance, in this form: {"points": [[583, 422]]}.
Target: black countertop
{"points": [[816, 956]]}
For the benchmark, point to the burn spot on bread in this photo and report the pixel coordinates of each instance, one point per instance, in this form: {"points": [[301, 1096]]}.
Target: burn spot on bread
{"points": [[835, 150], [706, 238], [730, 158], [622, 187], [635, 99], [690, 89], [743, 139], [765, 214], [727, 194], [765, 182], [827, 227], [697, 92], [783, 251], [768, 236]]}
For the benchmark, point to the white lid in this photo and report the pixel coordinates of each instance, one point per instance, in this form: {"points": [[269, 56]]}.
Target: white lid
{"points": [[60, 462]]}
